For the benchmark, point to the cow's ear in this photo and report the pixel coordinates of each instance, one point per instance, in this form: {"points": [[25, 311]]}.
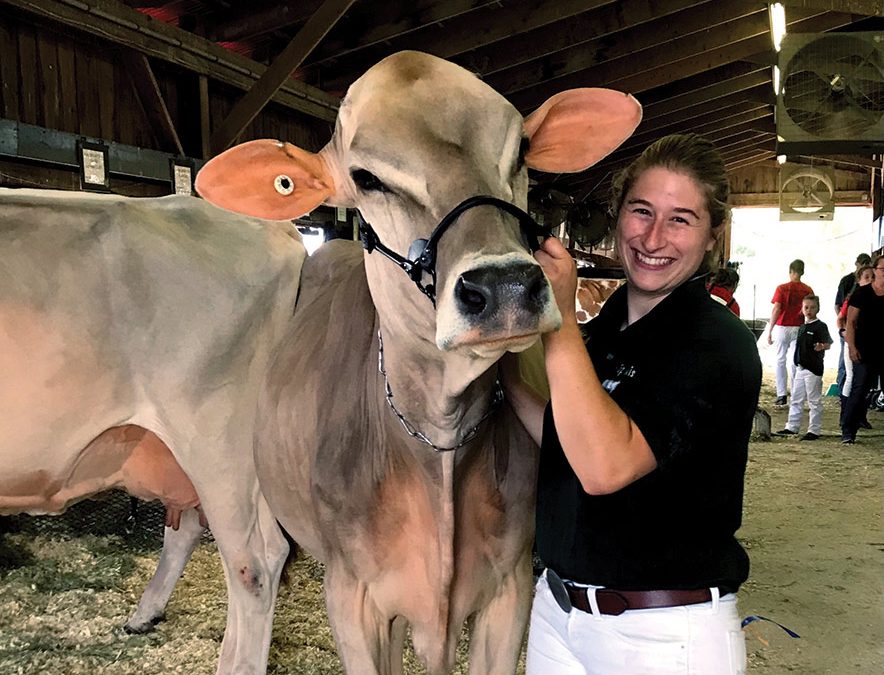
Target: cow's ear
{"points": [[574, 129], [267, 179]]}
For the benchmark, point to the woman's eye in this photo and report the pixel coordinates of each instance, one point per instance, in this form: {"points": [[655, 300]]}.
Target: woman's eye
{"points": [[367, 181]]}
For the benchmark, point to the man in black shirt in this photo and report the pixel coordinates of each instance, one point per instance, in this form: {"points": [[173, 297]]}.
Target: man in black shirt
{"points": [[845, 286]]}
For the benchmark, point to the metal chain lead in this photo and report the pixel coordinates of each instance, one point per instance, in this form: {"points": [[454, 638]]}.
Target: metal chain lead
{"points": [[414, 432]]}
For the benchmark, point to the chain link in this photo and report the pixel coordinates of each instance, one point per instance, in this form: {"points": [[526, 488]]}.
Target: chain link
{"points": [[414, 432]]}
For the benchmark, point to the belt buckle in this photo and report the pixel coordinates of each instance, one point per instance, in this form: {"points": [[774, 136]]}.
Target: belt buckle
{"points": [[560, 593]]}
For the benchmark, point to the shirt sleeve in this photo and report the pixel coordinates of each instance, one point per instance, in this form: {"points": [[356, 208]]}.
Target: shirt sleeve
{"points": [[857, 298], [777, 296]]}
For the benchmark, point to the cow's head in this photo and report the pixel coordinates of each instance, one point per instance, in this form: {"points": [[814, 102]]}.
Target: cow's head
{"points": [[416, 136]]}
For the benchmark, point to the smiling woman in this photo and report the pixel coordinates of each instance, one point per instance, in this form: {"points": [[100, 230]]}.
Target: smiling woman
{"points": [[643, 451]]}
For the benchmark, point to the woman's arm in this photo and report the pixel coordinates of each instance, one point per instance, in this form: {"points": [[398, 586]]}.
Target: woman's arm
{"points": [[605, 448], [850, 333]]}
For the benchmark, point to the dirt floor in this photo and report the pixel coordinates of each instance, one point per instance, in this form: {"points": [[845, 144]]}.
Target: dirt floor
{"points": [[812, 527]]}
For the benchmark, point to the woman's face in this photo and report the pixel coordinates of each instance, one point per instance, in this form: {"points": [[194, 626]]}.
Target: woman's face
{"points": [[867, 277], [663, 232]]}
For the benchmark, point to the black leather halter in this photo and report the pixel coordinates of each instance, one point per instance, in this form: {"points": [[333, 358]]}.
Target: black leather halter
{"points": [[422, 252]]}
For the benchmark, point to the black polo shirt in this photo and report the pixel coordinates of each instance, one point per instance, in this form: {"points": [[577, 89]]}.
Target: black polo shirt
{"points": [[869, 325], [688, 374], [805, 355]]}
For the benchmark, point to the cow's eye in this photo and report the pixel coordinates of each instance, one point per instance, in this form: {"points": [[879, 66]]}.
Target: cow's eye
{"points": [[367, 181]]}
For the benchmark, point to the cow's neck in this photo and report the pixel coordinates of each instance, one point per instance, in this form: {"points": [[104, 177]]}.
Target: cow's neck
{"points": [[443, 395]]}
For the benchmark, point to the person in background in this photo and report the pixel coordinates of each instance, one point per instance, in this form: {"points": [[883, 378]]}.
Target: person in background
{"points": [[810, 345], [865, 347], [644, 440], [845, 287], [721, 288], [864, 276], [785, 319]]}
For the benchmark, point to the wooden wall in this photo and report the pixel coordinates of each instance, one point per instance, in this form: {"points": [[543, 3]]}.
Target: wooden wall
{"points": [[77, 84]]}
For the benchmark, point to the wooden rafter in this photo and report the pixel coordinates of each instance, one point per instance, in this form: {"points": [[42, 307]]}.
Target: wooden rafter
{"points": [[113, 22], [465, 33], [151, 99], [713, 26], [861, 7], [279, 71], [544, 42], [680, 58], [250, 22]]}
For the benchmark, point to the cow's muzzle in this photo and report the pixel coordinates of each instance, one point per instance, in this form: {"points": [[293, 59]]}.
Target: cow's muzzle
{"points": [[482, 292], [422, 252]]}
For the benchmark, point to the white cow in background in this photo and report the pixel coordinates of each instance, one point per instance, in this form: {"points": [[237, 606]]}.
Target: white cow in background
{"points": [[133, 336], [378, 444]]}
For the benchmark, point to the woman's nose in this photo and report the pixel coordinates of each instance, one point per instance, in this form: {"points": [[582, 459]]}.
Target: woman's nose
{"points": [[655, 235]]}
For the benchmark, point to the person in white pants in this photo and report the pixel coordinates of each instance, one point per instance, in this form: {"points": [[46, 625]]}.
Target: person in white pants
{"points": [[785, 319], [812, 341]]}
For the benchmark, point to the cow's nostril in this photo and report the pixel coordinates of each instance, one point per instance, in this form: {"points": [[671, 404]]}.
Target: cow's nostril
{"points": [[470, 296]]}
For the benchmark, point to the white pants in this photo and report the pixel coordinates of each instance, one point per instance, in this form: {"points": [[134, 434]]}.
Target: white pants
{"points": [[703, 639], [784, 340], [809, 387]]}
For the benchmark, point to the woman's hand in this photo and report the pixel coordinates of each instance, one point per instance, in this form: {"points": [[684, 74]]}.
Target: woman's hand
{"points": [[561, 270]]}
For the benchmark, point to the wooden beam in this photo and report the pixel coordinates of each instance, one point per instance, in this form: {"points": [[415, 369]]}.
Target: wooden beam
{"points": [[862, 7], [148, 91], [699, 91], [279, 71], [583, 28], [840, 197], [205, 123], [113, 22], [388, 21], [679, 59], [465, 33], [714, 24], [252, 21], [749, 160], [759, 95]]}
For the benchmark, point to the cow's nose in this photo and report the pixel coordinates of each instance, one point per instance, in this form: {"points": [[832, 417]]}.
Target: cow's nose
{"points": [[482, 292]]}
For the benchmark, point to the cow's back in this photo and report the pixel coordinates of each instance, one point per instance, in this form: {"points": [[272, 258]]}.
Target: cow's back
{"points": [[117, 310]]}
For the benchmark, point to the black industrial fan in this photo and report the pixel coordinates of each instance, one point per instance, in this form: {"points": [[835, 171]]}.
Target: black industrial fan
{"points": [[831, 98], [588, 224]]}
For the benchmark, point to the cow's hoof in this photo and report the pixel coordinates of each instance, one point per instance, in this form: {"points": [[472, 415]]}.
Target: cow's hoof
{"points": [[142, 627]]}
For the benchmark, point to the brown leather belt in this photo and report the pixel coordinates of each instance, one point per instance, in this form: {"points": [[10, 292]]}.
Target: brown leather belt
{"points": [[616, 602]]}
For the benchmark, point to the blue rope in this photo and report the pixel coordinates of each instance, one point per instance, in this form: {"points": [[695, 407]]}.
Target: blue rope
{"points": [[757, 617]]}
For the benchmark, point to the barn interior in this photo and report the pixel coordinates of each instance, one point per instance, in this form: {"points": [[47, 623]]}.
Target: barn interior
{"points": [[133, 96], [155, 85]]}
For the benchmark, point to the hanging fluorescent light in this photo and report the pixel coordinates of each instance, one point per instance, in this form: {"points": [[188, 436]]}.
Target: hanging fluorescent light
{"points": [[776, 80], [92, 157], [777, 23], [781, 159]]}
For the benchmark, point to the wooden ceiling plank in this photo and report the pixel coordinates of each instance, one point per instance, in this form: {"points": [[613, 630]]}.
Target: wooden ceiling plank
{"points": [[465, 33], [772, 199], [148, 90], [700, 94], [753, 98], [114, 23], [860, 7], [279, 71], [679, 59], [713, 26], [749, 161], [583, 28], [391, 22], [251, 22]]}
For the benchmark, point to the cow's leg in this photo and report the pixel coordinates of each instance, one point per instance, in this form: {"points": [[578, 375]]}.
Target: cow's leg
{"points": [[178, 545], [499, 627], [364, 638], [253, 551]]}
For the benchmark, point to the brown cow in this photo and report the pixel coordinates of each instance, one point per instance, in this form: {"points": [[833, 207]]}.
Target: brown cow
{"points": [[379, 444]]}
